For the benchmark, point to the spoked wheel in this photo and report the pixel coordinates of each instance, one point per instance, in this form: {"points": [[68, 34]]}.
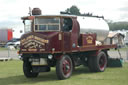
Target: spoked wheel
{"points": [[98, 63], [27, 69], [102, 62], [64, 67]]}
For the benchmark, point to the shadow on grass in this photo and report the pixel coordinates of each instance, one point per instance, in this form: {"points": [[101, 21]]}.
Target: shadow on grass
{"points": [[21, 79], [81, 70], [43, 77]]}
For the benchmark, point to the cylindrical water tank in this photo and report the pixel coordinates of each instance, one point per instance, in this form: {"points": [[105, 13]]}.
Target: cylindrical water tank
{"points": [[94, 25]]}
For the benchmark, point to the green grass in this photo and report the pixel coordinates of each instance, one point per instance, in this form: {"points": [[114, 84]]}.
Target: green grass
{"points": [[124, 49], [1, 48], [11, 74], [121, 49]]}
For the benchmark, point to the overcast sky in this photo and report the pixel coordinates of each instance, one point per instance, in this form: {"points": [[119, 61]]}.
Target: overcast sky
{"points": [[11, 11]]}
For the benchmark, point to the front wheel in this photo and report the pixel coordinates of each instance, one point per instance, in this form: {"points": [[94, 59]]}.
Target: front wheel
{"points": [[64, 67], [27, 69]]}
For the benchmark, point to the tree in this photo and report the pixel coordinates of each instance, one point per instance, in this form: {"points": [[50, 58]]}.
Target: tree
{"points": [[73, 10], [118, 25]]}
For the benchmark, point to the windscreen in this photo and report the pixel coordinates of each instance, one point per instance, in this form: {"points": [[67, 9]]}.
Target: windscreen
{"points": [[27, 27], [47, 24]]}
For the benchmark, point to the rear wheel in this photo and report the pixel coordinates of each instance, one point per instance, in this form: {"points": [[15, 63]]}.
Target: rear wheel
{"points": [[27, 69], [64, 67], [98, 63]]}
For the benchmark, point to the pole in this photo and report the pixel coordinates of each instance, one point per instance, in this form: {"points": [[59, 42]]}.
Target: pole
{"points": [[8, 52]]}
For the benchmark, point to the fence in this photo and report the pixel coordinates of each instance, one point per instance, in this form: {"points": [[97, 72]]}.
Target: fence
{"points": [[8, 54], [12, 54]]}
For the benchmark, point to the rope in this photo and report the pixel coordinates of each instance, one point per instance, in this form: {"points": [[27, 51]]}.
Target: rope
{"points": [[119, 53]]}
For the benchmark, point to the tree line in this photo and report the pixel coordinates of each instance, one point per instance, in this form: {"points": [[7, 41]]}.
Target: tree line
{"points": [[118, 25]]}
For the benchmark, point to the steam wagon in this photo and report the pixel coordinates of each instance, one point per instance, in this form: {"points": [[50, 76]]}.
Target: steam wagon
{"points": [[64, 42]]}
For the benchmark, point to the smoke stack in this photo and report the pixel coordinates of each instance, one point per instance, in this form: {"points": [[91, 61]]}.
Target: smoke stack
{"points": [[36, 11]]}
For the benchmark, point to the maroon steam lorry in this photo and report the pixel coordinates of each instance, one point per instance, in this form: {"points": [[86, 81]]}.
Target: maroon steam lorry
{"points": [[63, 41]]}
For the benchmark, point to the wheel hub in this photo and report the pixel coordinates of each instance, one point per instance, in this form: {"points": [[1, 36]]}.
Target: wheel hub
{"points": [[66, 67]]}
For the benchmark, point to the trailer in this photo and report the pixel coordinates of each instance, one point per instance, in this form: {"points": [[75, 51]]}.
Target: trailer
{"points": [[5, 36], [64, 42]]}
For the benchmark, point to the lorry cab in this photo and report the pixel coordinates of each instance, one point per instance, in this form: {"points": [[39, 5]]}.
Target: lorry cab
{"points": [[50, 33]]}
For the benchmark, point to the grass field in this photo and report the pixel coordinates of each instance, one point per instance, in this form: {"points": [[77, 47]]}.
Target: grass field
{"points": [[2, 48], [11, 74]]}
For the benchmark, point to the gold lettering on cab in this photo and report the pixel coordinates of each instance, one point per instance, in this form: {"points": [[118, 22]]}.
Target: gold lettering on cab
{"points": [[89, 39], [24, 49], [32, 50], [32, 43], [42, 49], [32, 37]]}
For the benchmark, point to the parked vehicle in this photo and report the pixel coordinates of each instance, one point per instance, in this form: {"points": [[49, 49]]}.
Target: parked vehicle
{"points": [[63, 41], [13, 42], [5, 36]]}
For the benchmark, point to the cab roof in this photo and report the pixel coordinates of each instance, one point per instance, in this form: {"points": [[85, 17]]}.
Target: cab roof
{"points": [[65, 16]]}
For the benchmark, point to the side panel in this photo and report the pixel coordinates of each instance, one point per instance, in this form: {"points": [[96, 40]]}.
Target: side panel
{"points": [[75, 35], [70, 39], [66, 41], [88, 39], [54, 43]]}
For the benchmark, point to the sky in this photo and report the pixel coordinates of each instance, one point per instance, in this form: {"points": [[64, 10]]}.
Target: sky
{"points": [[11, 11]]}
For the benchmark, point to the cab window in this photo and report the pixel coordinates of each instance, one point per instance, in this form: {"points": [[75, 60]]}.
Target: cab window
{"points": [[67, 24], [27, 25], [47, 24]]}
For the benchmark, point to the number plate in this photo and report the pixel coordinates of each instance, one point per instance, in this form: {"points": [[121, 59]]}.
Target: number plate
{"points": [[41, 61]]}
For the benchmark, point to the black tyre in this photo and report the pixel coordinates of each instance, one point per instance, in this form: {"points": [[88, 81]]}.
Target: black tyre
{"points": [[64, 67], [98, 63], [90, 63], [27, 69]]}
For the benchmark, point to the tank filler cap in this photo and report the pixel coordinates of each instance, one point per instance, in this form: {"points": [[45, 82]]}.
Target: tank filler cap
{"points": [[36, 11]]}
